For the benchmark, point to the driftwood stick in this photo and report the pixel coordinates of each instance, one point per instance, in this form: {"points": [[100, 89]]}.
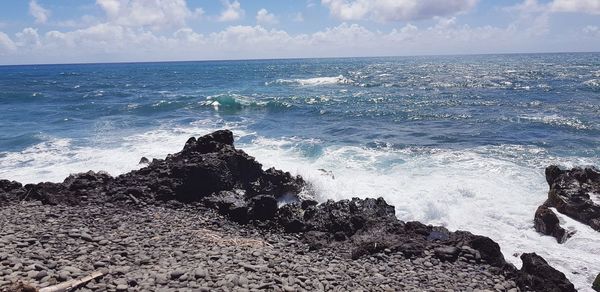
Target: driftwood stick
{"points": [[134, 199], [26, 195], [72, 284]]}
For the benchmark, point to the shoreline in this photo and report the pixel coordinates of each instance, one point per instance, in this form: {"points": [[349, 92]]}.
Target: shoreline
{"points": [[210, 173]]}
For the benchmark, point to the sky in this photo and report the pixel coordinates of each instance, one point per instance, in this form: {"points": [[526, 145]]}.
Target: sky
{"points": [[88, 31]]}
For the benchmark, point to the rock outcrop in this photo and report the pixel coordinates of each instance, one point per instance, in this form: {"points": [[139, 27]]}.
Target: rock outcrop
{"points": [[571, 193], [211, 172], [537, 275], [546, 222], [208, 168]]}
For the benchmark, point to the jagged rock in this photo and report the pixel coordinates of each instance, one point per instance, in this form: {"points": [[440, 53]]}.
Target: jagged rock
{"points": [[348, 216], [489, 250], [546, 222], [596, 284], [570, 192], [231, 204], [144, 160], [537, 275], [263, 207], [10, 190], [368, 226]]}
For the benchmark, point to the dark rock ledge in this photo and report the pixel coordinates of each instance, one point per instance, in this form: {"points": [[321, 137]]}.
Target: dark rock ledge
{"points": [[210, 173], [570, 193]]}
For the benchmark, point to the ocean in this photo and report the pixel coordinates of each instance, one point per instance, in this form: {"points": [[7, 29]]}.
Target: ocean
{"points": [[458, 141]]}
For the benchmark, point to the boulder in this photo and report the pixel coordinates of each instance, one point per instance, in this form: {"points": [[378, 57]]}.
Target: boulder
{"points": [[10, 190], [537, 275], [546, 222]]}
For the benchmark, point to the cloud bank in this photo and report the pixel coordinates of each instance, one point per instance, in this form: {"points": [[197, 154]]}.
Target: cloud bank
{"points": [[155, 30], [396, 10]]}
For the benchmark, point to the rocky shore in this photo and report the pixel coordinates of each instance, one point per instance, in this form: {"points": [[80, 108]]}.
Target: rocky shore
{"points": [[209, 218]]}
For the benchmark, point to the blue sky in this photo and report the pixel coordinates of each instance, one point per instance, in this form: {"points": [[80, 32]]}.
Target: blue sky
{"points": [[67, 31]]}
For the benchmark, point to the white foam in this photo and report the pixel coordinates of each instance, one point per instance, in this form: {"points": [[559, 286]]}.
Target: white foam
{"points": [[492, 191], [593, 83], [314, 81], [556, 120]]}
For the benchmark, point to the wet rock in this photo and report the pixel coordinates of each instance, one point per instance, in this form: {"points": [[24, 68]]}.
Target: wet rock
{"points": [[537, 275], [437, 235], [489, 250], [570, 192], [546, 222], [596, 284]]}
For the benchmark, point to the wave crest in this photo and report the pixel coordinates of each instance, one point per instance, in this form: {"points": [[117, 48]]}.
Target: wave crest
{"points": [[315, 81]]}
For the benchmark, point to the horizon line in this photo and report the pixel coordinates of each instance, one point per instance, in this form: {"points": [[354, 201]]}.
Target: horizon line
{"points": [[295, 58]]}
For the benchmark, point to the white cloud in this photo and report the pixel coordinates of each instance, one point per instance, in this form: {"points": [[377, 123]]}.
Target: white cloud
{"points": [[406, 33], [233, 11], [6, 44], [265, 18], [582, 6], [396, 10], [576, 6], [28, 37], [111, 41], [351, 34], [152, 13], [532, 17], [40, 13]]}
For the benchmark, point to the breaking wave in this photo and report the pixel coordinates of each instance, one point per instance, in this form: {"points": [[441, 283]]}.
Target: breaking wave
{"points": [[313, 81]]}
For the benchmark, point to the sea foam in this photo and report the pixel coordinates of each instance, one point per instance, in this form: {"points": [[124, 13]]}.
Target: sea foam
{"points": [[313, 81]]}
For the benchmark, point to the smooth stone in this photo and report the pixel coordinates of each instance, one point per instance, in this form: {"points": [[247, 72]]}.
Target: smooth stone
{"points": [[40, 275], [177, 274]]}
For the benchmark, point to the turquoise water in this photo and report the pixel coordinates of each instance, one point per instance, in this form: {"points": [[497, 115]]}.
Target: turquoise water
{"points": [[460, 141]]}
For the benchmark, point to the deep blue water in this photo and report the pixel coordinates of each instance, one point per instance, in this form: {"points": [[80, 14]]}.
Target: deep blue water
{"points": [[460, 141], [551, 100]]}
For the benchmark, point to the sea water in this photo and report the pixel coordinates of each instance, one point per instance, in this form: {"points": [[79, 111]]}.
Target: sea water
{"points": [[458, 141]]}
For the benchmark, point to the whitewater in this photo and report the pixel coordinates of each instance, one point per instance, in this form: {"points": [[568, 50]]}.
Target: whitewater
{"points": [[455, 141]]}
